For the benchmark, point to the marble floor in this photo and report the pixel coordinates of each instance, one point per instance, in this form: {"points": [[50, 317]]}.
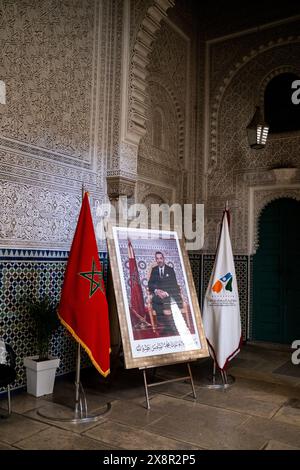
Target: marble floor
{"points": [[261, 410]]}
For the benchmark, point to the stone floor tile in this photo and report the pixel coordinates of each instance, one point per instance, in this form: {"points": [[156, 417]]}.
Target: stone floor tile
{"points": [[134, 413], [4, 446], [276, 445], [58, 439], [197, 424], [179, 408], [23, 402], [234, 400], [211, 436], [264, 377], [290, 415], [16, 427], [129, 438], [264, 391], [271, 429]]}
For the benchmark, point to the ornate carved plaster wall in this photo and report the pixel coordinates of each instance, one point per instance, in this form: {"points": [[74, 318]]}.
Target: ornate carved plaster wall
{"points": [[140, 22], [56, 127], [40, 68], [168, 91], [233, 167], [144, 35]]}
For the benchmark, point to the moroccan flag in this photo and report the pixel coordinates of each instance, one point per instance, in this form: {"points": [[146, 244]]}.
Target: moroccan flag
{"points": [[83, 307], [137, 306], [221, 310]]}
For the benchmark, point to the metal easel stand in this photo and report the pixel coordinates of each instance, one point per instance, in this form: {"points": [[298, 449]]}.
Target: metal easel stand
{"points": [[154, 384], [80, 413], [227, 380]]}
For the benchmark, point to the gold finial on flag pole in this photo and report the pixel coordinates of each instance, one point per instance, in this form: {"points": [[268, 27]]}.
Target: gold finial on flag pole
{"points": [[227, 205]]}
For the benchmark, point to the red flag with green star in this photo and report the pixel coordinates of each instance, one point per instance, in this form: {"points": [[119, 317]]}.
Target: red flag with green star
{"points": [[83, 306]]}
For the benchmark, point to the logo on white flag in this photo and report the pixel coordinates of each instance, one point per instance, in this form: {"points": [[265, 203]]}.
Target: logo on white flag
{"points": [[224, 282], [222, 294]]}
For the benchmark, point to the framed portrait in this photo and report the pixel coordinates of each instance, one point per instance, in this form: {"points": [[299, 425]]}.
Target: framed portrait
{"points": [[157, 304]]}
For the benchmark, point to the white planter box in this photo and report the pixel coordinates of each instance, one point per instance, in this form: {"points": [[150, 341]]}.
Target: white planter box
{"points": [[40, 375]]}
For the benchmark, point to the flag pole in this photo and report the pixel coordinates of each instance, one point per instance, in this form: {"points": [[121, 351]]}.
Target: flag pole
{"points": [[214, 373], [81, 409], [78, 360], [77, 381]]}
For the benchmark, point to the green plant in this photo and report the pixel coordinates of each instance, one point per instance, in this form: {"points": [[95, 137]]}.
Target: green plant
{"points": [[45, 322]]}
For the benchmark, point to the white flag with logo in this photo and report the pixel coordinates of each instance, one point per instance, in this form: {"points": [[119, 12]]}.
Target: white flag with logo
{"points": [[221, 310]]}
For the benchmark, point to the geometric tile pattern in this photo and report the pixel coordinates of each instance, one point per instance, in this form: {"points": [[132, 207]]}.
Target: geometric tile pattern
{"points": [[196, 267], [250, 320], [24, 278], [241, 268], [31, 274]]}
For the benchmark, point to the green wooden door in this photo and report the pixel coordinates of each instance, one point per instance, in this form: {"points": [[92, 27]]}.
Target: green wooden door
{"points": [[276, 281]]}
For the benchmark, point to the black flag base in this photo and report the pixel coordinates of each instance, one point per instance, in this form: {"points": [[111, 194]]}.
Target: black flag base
{"points": [[220, 381]]}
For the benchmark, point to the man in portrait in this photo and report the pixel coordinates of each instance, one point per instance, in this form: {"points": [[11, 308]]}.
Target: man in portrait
{"points": [[165, 290]]}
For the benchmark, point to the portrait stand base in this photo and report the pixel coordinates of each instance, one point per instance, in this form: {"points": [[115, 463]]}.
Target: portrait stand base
{"points": [[226, 380], [162, 382], [80, 414]]}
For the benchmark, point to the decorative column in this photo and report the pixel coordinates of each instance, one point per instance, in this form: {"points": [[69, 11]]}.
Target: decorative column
{"points": [[130, 80]]}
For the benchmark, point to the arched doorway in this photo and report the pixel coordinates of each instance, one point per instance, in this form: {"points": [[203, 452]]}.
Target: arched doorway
{"points": [[276, 281], [280, 112]]}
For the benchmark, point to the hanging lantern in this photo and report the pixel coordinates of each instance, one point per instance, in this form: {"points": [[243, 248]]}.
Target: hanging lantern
{"points": [[257, 131]]}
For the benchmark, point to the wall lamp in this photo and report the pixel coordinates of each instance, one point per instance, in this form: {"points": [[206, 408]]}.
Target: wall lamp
{"points": [[257, 131]]}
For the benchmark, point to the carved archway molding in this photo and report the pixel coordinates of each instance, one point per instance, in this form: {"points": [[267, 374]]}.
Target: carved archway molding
{"points": [[260, 197], [180, 118], [133, 118], [152, 198], [269, 76], [217, 100], [138, 63]]}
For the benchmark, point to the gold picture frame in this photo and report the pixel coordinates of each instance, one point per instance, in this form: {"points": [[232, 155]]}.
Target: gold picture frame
{"points": [[144, 317]]}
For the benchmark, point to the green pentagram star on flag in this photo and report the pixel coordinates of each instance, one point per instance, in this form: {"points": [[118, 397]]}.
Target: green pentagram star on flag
{"points": [[90, 276]]}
